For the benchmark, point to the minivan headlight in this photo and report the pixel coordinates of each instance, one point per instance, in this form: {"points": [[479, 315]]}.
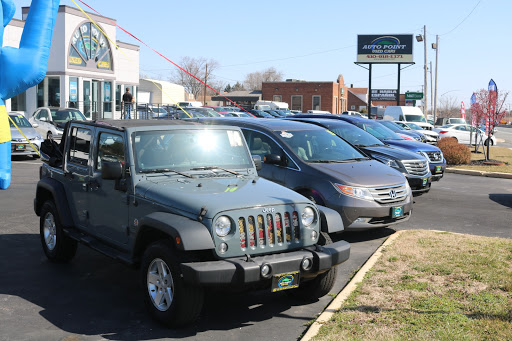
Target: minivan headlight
{"points": [[308, 216], [387, 161], [356, 192], [222, 226]]}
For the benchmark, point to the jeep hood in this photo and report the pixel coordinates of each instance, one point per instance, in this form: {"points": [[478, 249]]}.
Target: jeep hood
{"points": [[363, 173], [216, 195]]}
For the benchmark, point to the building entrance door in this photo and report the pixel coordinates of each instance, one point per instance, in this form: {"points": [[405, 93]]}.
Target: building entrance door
{"points": [[87, 99], [95, 100]]}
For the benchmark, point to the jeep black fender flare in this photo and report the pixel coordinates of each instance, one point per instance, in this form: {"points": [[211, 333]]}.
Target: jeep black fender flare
{"points": [[330, 220], [48, 188], [192, 234]]}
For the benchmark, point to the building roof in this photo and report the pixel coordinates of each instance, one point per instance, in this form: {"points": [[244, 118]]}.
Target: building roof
{"points": [[248, 96]]}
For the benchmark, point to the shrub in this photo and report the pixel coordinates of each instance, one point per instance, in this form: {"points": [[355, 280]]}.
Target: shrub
{"points": [[454, 152]]}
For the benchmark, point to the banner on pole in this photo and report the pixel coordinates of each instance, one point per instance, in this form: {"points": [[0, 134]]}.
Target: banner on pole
{"points": [[472, 103], [462, 111]]}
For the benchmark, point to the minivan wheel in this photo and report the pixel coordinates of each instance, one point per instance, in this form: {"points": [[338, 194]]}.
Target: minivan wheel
{"points": [[321, 285], [168, 299], [57, 246]]}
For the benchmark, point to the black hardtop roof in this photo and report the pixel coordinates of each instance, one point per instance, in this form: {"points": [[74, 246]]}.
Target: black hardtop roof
{"points": [[268, 123]]}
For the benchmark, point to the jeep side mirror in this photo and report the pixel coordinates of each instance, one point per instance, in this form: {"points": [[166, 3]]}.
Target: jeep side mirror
{"points": [[257, 161], [111, 170], [273, 159]]}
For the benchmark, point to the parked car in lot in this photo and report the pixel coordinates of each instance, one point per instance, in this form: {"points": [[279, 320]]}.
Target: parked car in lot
{"points": [[183, 203], [433, 154], [441, 121], [431, 136], [412, 165], [260, 113], [150, 111], [462, 133], [51, 120], [19, 143], [325, 168], [406, 133]]}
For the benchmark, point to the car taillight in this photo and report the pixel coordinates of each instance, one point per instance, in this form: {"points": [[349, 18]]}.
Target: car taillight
{"points": [[443, 131]]}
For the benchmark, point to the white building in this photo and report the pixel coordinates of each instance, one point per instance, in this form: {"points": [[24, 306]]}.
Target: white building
{"points": [[85, 69], [159, 92]]}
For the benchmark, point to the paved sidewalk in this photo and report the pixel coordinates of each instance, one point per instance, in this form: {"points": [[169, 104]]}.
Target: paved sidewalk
{"points": [[479, 173]]}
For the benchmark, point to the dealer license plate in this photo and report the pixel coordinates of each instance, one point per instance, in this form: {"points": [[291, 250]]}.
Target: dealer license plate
{"points": [[397, 212], [439, 169], [20, 147], [424, 182], [285, 281]]}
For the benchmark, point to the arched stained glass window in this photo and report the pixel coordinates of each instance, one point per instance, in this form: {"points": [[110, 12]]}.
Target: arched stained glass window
{"points": [[89, 48]]}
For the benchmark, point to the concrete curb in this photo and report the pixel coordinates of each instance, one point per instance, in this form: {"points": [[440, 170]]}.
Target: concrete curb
{"points": [[348, 289], [479, 173]]}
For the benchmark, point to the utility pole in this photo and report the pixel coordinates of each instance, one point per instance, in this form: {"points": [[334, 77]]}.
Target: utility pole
{"points": [[425, 98], [437, 64], [431, 89], [205, 78]]}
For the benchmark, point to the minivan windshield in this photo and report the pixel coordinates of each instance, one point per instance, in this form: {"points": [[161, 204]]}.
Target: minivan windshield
{"points": [[319, 146], [183, 150], [356, 136], [415, 118], [378, 130]]}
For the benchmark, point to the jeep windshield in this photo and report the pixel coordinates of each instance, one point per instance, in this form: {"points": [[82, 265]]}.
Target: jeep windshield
{"points": [[319, 146], [178, 151]]}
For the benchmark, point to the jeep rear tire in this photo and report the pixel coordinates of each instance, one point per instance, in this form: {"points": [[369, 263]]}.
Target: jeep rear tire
{"points": [[320, 285], [57, 246], [168, 299]]}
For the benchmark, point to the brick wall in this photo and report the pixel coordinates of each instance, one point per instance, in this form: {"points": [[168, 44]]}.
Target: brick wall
{"points": [[329, 92]]}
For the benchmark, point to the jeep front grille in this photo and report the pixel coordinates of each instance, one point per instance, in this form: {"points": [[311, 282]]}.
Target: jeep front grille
{"points": [[389, 194], [416, 167], [435, 156], [265, 230]]}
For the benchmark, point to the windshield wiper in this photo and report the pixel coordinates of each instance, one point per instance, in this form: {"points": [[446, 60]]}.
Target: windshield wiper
{"points": [[358, 159], [326, 161], [215, 167], [163, 170]]}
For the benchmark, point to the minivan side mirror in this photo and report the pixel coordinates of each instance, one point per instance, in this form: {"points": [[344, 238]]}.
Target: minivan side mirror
{"points": [[273, 159], [257, 161], [43, 119], [35, 125], [111, 170]]}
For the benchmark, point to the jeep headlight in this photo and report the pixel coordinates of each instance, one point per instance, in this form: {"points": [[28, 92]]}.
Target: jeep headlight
{"points": [[357, 192], [222, 226], [307, 216]]}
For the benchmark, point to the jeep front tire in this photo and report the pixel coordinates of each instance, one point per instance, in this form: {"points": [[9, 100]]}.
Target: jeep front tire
{"points": [[167, 298], [57, 246]]}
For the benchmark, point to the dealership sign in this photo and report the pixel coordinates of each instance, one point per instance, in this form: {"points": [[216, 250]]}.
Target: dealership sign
{"points": [[384, 48], [384, 95]]}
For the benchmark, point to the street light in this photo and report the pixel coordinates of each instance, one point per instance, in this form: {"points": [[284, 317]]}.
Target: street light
{"points": [[423, 38]]}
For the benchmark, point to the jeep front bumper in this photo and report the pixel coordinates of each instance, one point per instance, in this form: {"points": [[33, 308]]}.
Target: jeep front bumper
{"points": [[240, 271]]}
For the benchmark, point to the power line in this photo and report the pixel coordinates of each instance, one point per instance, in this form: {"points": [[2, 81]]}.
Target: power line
{"points": [[467, 16]]}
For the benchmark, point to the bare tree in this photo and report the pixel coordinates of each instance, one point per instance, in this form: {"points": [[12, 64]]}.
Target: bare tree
{"points": [[200, 68], [254, 80], [448, 107]]}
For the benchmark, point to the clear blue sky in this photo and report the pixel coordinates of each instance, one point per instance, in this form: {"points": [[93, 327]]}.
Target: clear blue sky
{"points": [[316, 40]]}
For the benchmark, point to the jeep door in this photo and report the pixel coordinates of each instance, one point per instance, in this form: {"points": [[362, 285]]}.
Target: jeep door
{"points": [[108, 199], [77, 175]]}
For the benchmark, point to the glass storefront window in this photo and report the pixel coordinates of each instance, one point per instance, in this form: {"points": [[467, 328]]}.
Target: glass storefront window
{"points": [[107, 99], [53, 92], [118, 97], [73, 92], [18, 103], [40, 94]]}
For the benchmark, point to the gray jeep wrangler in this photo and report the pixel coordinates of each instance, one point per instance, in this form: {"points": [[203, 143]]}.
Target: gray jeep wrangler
{"points": [[183, 202]]}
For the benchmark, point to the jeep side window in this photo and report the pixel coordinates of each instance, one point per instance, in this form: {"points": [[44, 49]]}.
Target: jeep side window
{"points": [[79, 146], [110, 148]]}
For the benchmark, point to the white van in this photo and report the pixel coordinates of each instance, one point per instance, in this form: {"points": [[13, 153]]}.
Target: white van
{"points": [[317, 112], [407, 114]]}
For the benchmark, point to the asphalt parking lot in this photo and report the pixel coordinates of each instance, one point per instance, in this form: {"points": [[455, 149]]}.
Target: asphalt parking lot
{"points": [[95, 297]]}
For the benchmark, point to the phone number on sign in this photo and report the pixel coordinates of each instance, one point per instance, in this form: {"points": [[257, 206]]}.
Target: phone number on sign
{"points": [[385, 56]]}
